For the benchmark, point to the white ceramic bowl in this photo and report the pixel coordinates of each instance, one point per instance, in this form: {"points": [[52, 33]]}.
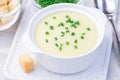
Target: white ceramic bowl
{"points": [[61, 64]]}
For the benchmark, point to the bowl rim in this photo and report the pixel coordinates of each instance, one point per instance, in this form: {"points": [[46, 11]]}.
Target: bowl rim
{"points": [[43, 52]]}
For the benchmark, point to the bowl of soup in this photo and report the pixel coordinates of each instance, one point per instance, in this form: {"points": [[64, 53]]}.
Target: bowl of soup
{"points": [[65, 37]]}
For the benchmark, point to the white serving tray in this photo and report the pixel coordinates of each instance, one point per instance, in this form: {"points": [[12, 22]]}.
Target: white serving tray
{"points": [[12, 70]]}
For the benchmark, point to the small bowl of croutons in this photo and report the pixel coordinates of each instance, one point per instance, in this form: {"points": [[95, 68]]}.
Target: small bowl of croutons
{"points": [[9, 13]]}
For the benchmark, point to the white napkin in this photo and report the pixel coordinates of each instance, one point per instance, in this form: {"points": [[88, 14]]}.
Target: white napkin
{"points": [[114, 69]]}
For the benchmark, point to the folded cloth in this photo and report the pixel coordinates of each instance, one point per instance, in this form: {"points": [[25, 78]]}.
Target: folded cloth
{"points": [[114, 70]]}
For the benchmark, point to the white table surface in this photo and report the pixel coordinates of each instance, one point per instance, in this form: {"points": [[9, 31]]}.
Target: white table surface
{"points": [[7, 36]]}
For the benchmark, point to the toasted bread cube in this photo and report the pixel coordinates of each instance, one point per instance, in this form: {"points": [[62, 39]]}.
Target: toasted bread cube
{"points": [[8, 1], [13, 4], [3, 9], [3, 2], [26, 63]]}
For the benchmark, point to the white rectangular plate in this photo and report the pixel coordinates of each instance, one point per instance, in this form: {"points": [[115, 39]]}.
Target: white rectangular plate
{"points": [[12, 70]]}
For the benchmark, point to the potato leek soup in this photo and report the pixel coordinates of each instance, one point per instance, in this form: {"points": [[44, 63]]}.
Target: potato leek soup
{"points": [[66, 34]]}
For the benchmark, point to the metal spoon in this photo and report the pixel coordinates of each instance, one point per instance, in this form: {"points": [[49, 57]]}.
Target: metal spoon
{"points": [[109, 8]]}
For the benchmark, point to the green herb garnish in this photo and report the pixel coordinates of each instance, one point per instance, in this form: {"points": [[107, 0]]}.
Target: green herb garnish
{"points": [[55, 38], [74, 25], [83, 33], [67, 43], [82, 37], [67, 16], [76, 41], [46, 40], [61, 44], [72, 34], [56, 45], [46, 23], [60, 48], [51, 27], [77, 22], [88, 29], [61, 24], [75, 46], [69, 20], [47, 33], [62, 33], [66, 28], [54, 17], [67, 31]]}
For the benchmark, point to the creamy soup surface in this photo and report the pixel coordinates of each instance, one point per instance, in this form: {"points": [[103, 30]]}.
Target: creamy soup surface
{"points": [[65, 34]]}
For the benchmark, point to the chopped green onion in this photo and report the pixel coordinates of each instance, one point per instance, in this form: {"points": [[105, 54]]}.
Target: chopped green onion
{"points": [[88, 29], [67, 16], [67, 31], [62, 33], [47, 33], [67, 43], [61, 24], [72, 34], [56, 45], [54, 17], [69, 20], [83, 33], [73, 25], [76, 41], [82, 37], [60, 48], [75, 46], [77, 22], [46, 40], [56, 38], [66, 27], [46, 23], [61, 45], [51, 27]]}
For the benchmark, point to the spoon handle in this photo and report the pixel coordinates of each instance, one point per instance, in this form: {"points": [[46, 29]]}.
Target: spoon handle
{"points": [[107, 6], [116, 42]]}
